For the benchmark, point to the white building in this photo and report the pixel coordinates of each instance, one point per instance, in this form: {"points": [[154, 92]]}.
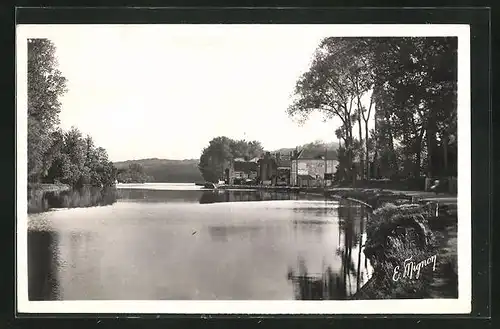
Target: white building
{"points": [[311, 168]]}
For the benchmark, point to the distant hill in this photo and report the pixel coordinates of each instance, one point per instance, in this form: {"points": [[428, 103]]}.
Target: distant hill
{"points": [[186, 171], [320, 146], [164, 170]]}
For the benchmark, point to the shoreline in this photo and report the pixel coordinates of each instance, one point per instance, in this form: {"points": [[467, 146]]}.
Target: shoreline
{"points": [[395, 209], [46, 197], [49, 187], [388, 210]]}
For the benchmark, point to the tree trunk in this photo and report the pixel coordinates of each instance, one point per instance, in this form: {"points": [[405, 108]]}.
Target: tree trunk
{"points": [[360, 130], [445, 154], [418, 154], [418, 159], [392, 160], [407, 166], [351, 153], [431, 146], [367, 159], [348, 148]]}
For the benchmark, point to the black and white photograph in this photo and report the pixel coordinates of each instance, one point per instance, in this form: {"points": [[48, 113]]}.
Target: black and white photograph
{"points": [[243, 168]]}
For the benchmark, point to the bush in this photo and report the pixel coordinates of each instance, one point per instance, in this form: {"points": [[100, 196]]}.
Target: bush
{"points": [[396, 233]]}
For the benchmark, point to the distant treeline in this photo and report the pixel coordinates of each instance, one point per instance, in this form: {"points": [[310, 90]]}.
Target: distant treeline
{"points": [[190, 170], [159, 170], [134, 173], [315, 147]]}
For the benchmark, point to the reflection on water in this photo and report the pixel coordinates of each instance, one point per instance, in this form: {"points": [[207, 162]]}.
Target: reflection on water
{"points": [[42, 264], [84, 197], [194, 244], [223, 233], [245, 195], [163, 196], [355, 269], [326, 286]]}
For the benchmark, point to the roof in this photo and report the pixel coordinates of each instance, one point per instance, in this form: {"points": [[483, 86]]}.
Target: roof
{"points": [[284, 163], [267, 160], [317, 154], [245, 166], [307, 177]]}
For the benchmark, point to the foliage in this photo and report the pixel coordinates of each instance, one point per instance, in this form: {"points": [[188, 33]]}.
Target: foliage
{"points": [[45, 86], [416, 90], [221, 151], [334, 85], [410, 84], [187, 171], [399, 233], [133, 174], [77, 162], [388, 217], [165, 170], [54, 155], [317, 146]]}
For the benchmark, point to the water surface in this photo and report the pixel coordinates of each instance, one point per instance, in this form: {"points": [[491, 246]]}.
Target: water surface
{"points": [[181, 242]]}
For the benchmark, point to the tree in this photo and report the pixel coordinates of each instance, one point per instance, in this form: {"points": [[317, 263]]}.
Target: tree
{"points": [[411, 85], [54, 155], [76, 150], [334, 86], [416, 89], [135, 173], [216, 158], [45, 87], [78, 162]]}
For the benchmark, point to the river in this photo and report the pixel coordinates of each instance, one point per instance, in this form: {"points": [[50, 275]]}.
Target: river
{"points": [[181, 242]]}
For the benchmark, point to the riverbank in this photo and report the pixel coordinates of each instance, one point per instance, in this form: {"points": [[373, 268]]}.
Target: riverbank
{"points": [[43, 197], [411, 243], [267, 188], [37, 195], [43, 188]]}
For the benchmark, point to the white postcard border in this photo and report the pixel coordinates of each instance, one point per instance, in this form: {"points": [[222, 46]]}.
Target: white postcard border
{"points": [[418, 306]]}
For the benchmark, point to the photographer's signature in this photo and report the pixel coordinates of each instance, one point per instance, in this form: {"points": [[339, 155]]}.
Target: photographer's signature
{"points": [[410, 269]]}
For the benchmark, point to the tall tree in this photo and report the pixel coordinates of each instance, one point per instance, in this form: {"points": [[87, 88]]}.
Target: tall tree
{"points": [[334, 86], [416, 85], [54, 155], [411, 82], [45, 87]]}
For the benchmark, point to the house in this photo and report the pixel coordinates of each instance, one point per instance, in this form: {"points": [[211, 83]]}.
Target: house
{"points": [[267, 169], [240, 171], [274, 169], [313, 168], [283, 168]]}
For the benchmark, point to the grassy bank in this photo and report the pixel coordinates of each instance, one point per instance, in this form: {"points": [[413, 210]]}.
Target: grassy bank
{"points": [[405, 234]]}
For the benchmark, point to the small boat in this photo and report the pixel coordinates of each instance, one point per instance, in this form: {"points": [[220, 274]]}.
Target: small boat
{"points": [[210, 186]]}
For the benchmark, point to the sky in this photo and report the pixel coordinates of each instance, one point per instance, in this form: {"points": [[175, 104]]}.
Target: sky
{"points": [[160, 91]]}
